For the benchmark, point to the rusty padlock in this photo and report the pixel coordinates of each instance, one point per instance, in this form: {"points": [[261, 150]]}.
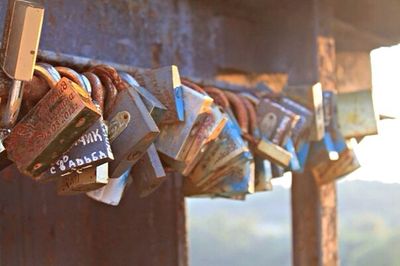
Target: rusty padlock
{"points": [[52, 127], [92, 148], [165, 84], [234, 177], [262, 167], [154, 106], [132, 130], [93, 174], [220, 155]]}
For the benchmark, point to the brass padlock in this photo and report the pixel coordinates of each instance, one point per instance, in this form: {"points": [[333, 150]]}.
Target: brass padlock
{"points": [[84, 180], [311, 98], [112, 193], [165, 84], [148, 173], [132, 130], [50, 129], [175, 140], [154, 106]]}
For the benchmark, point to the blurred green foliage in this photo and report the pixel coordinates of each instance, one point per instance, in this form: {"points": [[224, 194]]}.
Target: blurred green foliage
{"points": [[258, 231]]}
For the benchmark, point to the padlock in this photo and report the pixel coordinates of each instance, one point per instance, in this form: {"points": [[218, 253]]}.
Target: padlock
{"points": [[260, 145], [83, 180], [356, 115], [311, 98], [87, 177], [22, 40], [220, 155], [298, 143], [132, 130], [91, 149], [328, 171], [208, 132], [98, 90], [236, 177], [174, 141], [165, 84], [205, 130], [277, 171], [275, 121], [262, 167], [19, 50], [303, 125], [148, 173], [20, 44], [52, 127], [153, 105], [263, 175], [294, 164], [112, 193]]}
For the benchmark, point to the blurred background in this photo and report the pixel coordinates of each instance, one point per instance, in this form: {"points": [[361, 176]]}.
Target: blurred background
{"points": [[258, 231]]}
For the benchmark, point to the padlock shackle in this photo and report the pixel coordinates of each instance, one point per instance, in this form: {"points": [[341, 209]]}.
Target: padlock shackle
{"points": [[239, 111], [98, 92], [48, 73], [13, 107], [110, 91], [193, 86], [112, 73], [87, 84], [252, 115], [71, 74], [218, 96], [128, 78]]}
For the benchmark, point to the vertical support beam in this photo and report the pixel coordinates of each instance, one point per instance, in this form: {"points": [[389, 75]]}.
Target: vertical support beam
{"points": [[314, 221]]}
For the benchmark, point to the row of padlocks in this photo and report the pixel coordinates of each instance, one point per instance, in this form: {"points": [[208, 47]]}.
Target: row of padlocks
{"points": [[96, 130]]}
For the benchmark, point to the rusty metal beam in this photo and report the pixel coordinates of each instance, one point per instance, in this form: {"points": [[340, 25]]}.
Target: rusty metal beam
{"points": [[314, 221]]}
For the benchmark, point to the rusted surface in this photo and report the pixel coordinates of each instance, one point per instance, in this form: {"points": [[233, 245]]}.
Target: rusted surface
{"points": [[314, 222], [49, 130], [98, 90], [40, 228], [203, 38]]}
